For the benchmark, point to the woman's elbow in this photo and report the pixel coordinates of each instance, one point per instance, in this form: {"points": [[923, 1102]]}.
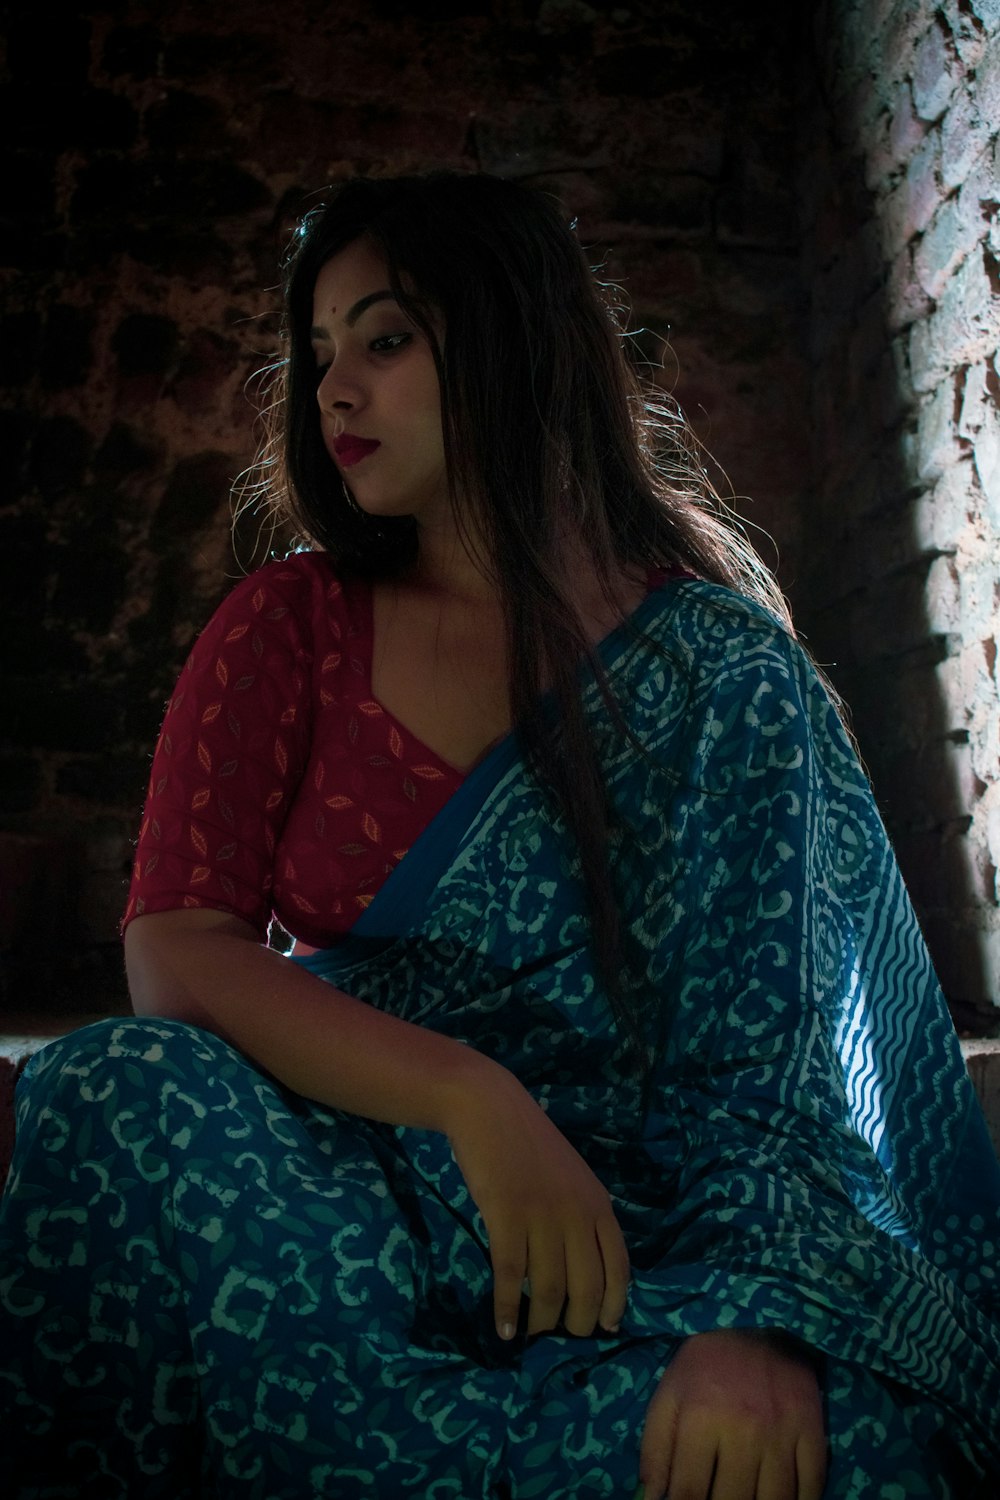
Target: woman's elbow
{"points": [[163, 964]]}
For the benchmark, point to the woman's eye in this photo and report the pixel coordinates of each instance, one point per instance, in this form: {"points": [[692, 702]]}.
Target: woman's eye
{"points": [[389, 343]]}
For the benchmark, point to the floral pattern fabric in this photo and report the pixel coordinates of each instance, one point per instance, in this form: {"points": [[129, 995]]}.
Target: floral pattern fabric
{"points": [[211, 1286]]}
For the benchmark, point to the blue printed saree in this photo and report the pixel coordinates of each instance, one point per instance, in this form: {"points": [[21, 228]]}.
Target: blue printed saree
{"points": [[211, 1286]]}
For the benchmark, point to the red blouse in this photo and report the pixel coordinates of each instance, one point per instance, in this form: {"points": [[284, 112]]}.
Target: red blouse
{"points": [[279, 784]]}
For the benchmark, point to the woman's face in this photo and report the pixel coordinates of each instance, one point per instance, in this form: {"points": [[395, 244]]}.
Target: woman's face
{"points": [[378, 391]]}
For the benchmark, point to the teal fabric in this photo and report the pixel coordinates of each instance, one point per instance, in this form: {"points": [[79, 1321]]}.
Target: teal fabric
{"points": [[288, 1301]]}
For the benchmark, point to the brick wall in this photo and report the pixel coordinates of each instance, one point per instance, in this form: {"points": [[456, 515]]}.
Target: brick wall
{"points": [[900, 188], [144, 218]]}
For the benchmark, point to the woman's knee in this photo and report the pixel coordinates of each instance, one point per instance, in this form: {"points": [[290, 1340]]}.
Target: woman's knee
{"points": [[127, 1083]]}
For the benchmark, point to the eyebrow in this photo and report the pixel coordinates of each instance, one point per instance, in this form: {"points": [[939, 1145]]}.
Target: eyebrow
{"points": [[353, 313]]}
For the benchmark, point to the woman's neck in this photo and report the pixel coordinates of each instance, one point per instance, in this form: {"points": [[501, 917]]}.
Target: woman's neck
{"points": [[454, 566], [457, 570]]}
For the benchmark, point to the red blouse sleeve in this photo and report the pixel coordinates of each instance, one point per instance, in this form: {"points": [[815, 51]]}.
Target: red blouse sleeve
{"points": [[231, 753]]}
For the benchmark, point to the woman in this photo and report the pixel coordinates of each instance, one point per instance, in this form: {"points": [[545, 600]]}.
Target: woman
{"points": [[607, 1128]]}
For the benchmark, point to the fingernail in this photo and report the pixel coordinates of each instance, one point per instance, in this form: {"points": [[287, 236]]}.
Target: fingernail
{"points": [[506, 1330]]}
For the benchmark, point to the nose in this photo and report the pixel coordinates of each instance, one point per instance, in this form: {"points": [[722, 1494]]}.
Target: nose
{"points": [[338, 391]]}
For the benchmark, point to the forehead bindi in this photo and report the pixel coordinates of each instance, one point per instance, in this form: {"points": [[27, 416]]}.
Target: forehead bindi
{"points": [[349, 284]]}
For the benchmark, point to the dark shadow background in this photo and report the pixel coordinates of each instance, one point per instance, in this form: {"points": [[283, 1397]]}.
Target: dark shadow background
{"points": [[160, 156]]}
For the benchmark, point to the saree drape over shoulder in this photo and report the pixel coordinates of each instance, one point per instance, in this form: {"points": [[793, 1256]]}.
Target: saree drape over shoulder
{"points": [[293, 1302]]}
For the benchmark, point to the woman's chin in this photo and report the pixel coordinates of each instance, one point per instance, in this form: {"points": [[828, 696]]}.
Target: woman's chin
{"points": [[383, 510]]}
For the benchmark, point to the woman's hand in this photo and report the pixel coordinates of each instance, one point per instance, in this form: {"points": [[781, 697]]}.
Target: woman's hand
{"points": [[735, 1404], [548, 1217]]}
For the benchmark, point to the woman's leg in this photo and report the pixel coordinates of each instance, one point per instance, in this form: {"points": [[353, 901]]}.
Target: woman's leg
{"points": [[198, 1270]]}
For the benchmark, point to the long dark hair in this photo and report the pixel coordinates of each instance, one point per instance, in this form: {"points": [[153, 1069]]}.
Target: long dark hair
{"points": [[547, 430]]}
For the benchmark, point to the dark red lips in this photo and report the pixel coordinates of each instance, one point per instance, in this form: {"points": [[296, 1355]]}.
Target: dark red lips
{"points": [[349, 449]]}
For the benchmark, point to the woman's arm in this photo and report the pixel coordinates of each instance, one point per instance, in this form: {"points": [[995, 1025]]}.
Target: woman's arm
{"points": [[209, 968], [547, 1216]]}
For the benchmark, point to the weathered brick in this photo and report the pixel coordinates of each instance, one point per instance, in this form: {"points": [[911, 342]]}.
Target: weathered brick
{"points": [[38, 50], [884, 545], [868, 342], [938, 445], [932, 785], [967, 35], [145, 343], [967, 958], [879, 158], [66, 354], [986, 448], [878, 15], [977, 598], [979, 194], [985, 736], [836, 291], [987, 83], [933, 861], [97, 120], [993, 830], [133, 50], [965, 134], [110, 189], [988, 12], [961, 330], [170, 249], [896, 699], [204, 367], [892, 618], [863, 108], [941, 517], [954, 232], [957, 679], [910, 206], [941, 597], [26, 559], [194, 57], [20, 336], [934, 75], [906, 302], [91, 579], [906, 129], [975, 397], [59, 455], [894, 389], [636, 71], [124, 452], [197, 489], [900, 460], [180, 121], [898, 38]]}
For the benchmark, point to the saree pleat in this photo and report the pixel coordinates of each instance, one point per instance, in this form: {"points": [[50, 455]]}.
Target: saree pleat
{"points": [[274, 1299]]}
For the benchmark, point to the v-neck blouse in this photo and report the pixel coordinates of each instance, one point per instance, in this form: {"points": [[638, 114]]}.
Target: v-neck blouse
{"points": [[280, 787]]}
